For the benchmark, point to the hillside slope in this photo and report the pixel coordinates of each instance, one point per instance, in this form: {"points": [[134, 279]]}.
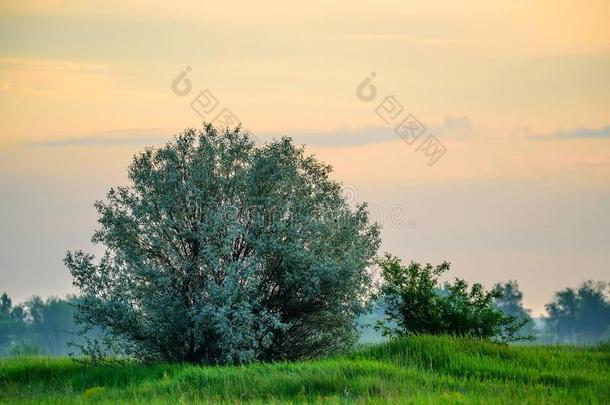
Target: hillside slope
{"points": [[420, 369]]}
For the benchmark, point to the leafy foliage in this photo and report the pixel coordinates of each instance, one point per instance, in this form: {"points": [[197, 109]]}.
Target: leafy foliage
{"points": [[416, 305], [222, 252]]}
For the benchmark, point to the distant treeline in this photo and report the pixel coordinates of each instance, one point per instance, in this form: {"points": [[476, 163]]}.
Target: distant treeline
{"points": [[37, 326], [575, 316]]}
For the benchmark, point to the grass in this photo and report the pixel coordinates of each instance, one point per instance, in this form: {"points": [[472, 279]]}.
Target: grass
{"points": [[421, 369]]}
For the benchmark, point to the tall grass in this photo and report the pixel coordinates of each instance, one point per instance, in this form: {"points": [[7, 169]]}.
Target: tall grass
{"points": [[420, 369]]}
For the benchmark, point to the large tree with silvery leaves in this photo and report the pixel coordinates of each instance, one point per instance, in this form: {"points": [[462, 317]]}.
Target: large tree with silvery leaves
{"points": [[223, 252]]}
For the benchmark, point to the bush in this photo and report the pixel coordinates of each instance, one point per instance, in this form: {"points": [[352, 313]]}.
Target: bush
{"points": [[417, 304]]}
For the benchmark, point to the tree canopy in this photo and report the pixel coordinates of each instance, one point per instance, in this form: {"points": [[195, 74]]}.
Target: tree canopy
{"points": [[219, 251]]}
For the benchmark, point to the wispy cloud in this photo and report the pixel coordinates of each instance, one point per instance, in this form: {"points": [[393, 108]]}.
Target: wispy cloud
{"points": [[451, 127], [56, 78], [156, 136], [402, 37], [454, 127], [603, 132], [337, 138], [152, 136]]}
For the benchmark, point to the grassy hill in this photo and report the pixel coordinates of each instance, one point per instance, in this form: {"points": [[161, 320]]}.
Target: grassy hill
{"points": [[416, 370]]}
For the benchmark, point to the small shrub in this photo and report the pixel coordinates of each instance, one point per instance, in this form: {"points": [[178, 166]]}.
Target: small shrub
{"points": [[418, 304]]}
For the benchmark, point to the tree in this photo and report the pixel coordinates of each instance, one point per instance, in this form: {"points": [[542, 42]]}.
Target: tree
{"points": [[12, 323], [51, 326], [510, 302], [6, 322], [417, 305], [222, 252], [580, 315]]}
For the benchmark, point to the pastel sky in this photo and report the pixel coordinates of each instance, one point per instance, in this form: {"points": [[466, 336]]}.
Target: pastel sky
{"points": [[517, 92]]}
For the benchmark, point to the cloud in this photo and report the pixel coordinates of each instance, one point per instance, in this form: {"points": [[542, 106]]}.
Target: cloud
{"points": [[109, 138], [58, 79], [402, 37], [348, 137], [451, 127], [454, 128], [576, 133], [338, 138], [457, 123]]}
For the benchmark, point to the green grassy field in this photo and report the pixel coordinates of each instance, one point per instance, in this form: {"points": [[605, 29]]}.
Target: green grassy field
{"points": [[416, 370]]}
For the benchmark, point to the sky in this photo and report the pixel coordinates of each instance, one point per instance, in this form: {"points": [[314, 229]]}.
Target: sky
{"points": [[506, 174]]}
